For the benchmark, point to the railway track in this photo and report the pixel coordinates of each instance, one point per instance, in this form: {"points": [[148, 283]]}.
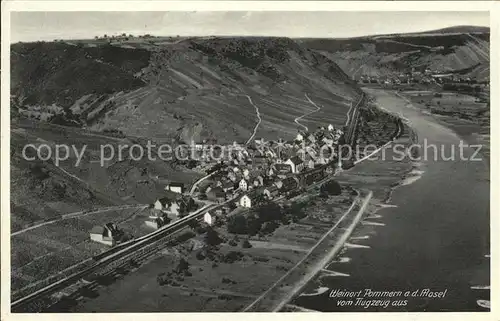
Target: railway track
{"points": [[36, 301]]}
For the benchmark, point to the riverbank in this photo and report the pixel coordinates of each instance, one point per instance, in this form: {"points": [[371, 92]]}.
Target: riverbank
{"points": [[217, 278], [425, 238]]}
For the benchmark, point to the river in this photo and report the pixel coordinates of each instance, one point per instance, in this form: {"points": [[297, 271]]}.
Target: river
{"points": [[437, 236]]}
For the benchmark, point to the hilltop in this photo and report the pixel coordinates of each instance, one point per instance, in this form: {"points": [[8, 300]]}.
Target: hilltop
{"points": [[463, 49]]}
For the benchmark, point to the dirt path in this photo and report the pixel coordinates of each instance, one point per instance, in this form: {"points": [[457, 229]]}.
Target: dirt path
{"points": [[276, 289], [258, 123], [79, 214], [296, 120]]}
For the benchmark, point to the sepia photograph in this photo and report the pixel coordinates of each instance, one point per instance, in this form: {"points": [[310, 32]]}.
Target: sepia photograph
{"points": [[248, 161]]}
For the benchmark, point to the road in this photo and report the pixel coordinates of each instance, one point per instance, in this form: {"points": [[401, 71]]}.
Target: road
{"points": [[258, 117], [296, 120], [273, 299], [78, 214], [436, 235]]}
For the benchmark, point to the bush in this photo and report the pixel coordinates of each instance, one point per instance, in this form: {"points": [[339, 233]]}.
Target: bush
{"points": [[246, 244], [331, 188], [237, 224], [269, 212], [269, 227], [182, 266], [212, 237], [232, 257], [253, 225]]}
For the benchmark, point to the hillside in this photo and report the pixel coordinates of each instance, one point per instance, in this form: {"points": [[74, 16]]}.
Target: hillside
{"points": [[164, 89], [126, 92], [440, 51]]}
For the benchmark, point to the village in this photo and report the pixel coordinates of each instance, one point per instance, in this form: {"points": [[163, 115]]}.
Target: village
{"points": [[425, 77], [253, 174]]}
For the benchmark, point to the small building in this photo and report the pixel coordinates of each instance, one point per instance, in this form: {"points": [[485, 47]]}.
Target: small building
{"points": [[289, 183], [296, 164], [330, 127], [243, 185], [278, 184], [162, 204], [311, 138], [156, 222], [271, 192], [245, 201], [209, 219], [178, 207], [259, 160], [310, 164], [227, 186], [108, 234], [175, 187], [232, 176], [299, 137], [283, 169], [216, 195], [329, 141]]}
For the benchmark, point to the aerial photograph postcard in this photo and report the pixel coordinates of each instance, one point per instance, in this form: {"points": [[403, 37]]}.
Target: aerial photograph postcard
{"points": [[249, 161]]}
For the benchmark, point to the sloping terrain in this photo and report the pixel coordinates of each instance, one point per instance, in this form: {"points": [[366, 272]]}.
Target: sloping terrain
{"points": [[464, 50], [167, 91], [164, 91]]}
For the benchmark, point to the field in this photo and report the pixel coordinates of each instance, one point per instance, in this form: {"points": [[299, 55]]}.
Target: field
{"points": [[219, 283], [465, 114], [44, 251]]}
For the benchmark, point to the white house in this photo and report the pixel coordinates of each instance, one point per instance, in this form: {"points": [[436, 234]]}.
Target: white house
{"points": [[106, 234], [245, 201], [175, 187], [328, 141], [296, 164], [243, 185], [311, 138], [330, 127], [209, 218], [299, 137], [162, 204], [156, 222]]}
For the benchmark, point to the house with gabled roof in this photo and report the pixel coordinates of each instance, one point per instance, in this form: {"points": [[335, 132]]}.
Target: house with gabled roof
{"points": [[216, 195], [209, 218], [271, 192], [296, 164], [109, 234], [245, 201], [244, 184], [175, 187]]}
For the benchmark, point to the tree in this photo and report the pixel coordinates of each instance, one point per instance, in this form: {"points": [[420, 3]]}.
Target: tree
{"points": [[253, 225], [212, 237], [246, 244], [183, 266], [237, 224], [330, 188], [269, 212], [269, 227]]}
